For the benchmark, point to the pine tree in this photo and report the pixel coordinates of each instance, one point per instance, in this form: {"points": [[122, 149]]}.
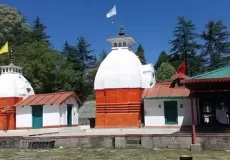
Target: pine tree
{"points": [[163, 57], [215, 50], [84, 53], [38, 32], [141, 54], [70, 54], [184, 46]]}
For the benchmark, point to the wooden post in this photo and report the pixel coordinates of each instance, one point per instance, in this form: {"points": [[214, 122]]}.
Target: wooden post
{"points": [[193, 121]]}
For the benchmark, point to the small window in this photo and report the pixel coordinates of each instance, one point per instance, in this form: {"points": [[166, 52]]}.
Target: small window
{"points": [[28, 90], [115, 45], [124, 44], [119, 45]]}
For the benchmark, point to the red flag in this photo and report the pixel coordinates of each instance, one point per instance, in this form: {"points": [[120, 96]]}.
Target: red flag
{"points": [[181, 69]]}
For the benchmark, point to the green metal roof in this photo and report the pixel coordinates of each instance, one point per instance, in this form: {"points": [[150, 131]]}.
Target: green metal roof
{"points": [[218, 73]]}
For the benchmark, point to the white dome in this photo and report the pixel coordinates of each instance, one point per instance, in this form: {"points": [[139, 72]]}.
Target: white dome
{"points": [[120, 69], [13, 83]]}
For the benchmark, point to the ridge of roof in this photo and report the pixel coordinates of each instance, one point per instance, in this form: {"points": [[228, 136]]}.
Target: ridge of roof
{"points": [[47, 98]]}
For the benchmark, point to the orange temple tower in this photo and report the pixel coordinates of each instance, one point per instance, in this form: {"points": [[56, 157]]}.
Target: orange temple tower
{"points": [[118, 85]]}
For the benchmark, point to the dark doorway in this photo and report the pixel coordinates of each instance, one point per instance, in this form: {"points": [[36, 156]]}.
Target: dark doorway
{"points": [[37, 117], [92, 122], [69, 115], [170, 112]]}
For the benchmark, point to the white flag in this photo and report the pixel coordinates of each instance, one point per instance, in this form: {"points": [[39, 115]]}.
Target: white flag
{"points": [[112, 12]]}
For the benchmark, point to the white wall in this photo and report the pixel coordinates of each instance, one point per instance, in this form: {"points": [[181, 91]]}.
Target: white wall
{"points": [[23, 117], [154, 116], [63, 114], [72, 101], [53, 115]]}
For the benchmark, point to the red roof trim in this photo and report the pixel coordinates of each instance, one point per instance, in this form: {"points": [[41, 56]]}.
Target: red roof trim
{"points": [[205, 80], [49, 99]]}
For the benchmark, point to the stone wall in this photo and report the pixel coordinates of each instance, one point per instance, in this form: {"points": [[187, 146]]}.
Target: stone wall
{"points": [[215, 142]]}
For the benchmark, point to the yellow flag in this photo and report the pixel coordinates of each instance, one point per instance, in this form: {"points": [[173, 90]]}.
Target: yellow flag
{"points": [[5, 48]]}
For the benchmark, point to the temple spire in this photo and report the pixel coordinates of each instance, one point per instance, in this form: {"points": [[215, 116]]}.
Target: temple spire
{"points": [[122, 32], [122, 41]]}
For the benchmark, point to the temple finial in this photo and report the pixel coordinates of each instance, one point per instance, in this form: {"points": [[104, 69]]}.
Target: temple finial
{"points": [[11, 56], [121, 33]]}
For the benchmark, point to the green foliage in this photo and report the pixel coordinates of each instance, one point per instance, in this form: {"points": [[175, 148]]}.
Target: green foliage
{"points": [[84, 54], [163, 57], [81, 60], [44, 68], [165, 72], [215, 50], [184, 46], [13, 28], [141, 54], [12, 23], [38, 33]]}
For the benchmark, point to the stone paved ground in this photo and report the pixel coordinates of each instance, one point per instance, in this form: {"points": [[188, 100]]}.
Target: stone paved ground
{"points": [[76, 131], [106, 154]]}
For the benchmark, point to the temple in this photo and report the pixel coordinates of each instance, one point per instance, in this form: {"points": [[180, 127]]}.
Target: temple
{"points": [[13, 88], [119, 83]]}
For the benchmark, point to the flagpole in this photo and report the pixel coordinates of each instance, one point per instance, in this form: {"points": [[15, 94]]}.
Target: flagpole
{"points": [[113, 13], [116, 19]]}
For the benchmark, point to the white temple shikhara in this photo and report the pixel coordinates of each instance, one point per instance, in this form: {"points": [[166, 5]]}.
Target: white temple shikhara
{"points": [[119, 83]]}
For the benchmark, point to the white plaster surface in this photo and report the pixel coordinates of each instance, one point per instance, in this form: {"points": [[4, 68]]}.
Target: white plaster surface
{"points": [[154, 116], [50, 115], [13, 83], [148, 76], [120, 69], [23, 117], [123, 69], [53, 115]]}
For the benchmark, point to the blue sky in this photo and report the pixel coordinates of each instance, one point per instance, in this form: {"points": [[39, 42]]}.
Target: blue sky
{"points": [[150, 22]]}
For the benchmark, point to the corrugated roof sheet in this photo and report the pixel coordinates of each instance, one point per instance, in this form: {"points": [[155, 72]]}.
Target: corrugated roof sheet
{"points": [[87, 110], [49, 99], [163, 90], [218, 73]]}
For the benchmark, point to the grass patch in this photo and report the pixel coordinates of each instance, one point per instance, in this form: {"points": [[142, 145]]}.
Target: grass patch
{"points": [[110, 154]]}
